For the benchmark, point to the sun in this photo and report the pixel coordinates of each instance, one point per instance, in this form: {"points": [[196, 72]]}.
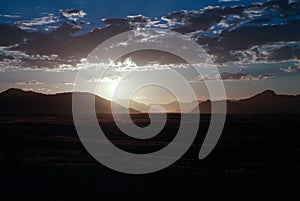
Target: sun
{"points": [[111, 89], [107, 90]]}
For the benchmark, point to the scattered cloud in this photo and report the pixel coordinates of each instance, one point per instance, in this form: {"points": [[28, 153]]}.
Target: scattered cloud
{"points": [[37, 21], [73, 14], [238, 76], [68, 83], [232, 76], [10, 16], [140, 97], [243, 76], [109, 79], [30, 82], [219, 30], [39, 89], [259, 77], [292, 69], [28, 89], [30, 24], [271, 52]]}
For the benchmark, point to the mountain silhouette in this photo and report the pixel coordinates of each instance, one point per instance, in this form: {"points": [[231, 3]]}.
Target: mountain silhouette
{"points": [[134, 105], [265, 102], [17, 101]]}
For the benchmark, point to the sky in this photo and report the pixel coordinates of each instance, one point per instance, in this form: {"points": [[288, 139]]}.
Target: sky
{"points": [[254, 44]]}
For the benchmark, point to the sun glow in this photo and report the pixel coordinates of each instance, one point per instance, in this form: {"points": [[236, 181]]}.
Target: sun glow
{"points": [[111, 89], [107, 90]]}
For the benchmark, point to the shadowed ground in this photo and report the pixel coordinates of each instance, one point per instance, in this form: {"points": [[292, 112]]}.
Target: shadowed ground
{"points": [[257, 157]]}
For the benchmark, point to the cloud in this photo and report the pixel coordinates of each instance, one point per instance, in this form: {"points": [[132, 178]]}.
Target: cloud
{"points": [[39, 89], [271, 52], [229, 42], [68, 83], [28, 89], [30, 82], [37, 49], [73, 14], [14, 59], [259, 77], [140, 21], [29, 24], [232, 76], [132, 22], [108, 79], [150, 59], [292, 69], [229, 0], [120, 22], [37, 21], [140, 97], [252, 27], [10, 16], [243, 76], [228, 34], [127, 64], [285, 53]]}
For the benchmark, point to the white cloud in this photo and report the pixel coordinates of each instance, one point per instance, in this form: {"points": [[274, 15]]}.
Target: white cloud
{"points": [[40, 89], [28, 89], [259, 77], [234, 76], [10, 16], [30, 82], [68, 83], [292, 69], [73, 14], [37, 21], [261, 53], [108, 79], [140, 97]]}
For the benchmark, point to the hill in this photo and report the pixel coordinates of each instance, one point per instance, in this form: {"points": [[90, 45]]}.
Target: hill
{"points": [[265, 102], [17, 101]]}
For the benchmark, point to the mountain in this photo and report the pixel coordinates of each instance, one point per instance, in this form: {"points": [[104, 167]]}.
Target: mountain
{"points": [[17, 101], [134, 105], [265, 102], [174, 107]]}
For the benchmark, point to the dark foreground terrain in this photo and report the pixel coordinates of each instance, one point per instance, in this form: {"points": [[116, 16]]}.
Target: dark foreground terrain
{"points": [[257, 158]]}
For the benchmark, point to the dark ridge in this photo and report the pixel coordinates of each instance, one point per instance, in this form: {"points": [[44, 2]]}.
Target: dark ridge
{"points": [[267, 102], [17, 101]]}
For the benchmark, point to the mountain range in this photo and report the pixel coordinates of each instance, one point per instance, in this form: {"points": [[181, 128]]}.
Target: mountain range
{"points": [[267, 102], [17, 101]]}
